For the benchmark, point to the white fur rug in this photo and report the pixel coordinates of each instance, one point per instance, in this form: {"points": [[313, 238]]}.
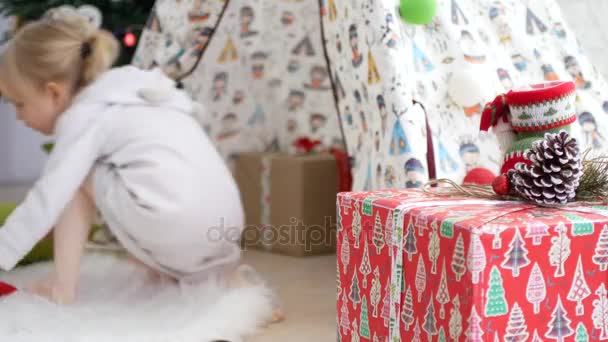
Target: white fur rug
{"points": [[117, 302]]}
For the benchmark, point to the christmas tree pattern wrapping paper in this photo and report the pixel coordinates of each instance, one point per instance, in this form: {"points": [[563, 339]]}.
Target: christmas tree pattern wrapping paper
{"points": [[419, 267]]}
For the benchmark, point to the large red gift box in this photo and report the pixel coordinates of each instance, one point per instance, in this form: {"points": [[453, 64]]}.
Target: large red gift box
{"points": [[419, 267]]}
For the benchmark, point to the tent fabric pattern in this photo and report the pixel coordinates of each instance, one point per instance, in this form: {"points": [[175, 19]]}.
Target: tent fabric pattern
{"points": [[502, 45], [263, 77], [385, 133], [493, 45], [265, 80]]}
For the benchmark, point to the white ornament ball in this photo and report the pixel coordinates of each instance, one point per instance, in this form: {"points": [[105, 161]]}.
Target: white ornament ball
{"points": [[470, 85]]}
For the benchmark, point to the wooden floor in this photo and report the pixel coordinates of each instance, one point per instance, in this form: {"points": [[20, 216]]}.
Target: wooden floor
{"points": [[307, 288]]}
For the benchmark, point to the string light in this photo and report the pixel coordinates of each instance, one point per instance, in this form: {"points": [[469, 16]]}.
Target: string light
{"points": [[130, 40]]}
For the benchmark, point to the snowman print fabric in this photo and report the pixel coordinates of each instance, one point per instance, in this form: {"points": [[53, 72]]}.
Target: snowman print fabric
{"points": [[262, 76], [472, 51]]}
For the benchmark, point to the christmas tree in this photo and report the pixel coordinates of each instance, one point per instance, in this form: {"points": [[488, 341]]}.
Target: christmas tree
{"points": [[560, 250], [477, 257], [581, 334], [580, 225], [441, 337], [516, 328], [517, 255], [368, 205], [422, 222], [364, 329], [458, 265], [497, 229], [345, 253], [417, 332], [407, 311], [537, 231], [430, 322], [410, 242], [600, 257], [434, 249], [356, 225], [600, 312], [123, 18], [455, 320], [366, 267], [346, 204], [354, 294], [559, 326], [344, 315], [355, 334], [535, 338], [420, 278], [390, 230], [443, 296], [496, 304], [579, 289], [373, 76], [375, 292], [378, 234], [386, 305], [474, 332], [536, 291]]}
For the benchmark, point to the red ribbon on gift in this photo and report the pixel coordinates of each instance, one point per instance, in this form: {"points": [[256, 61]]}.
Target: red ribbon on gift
{"points": [[305, 144], [345, 177]]}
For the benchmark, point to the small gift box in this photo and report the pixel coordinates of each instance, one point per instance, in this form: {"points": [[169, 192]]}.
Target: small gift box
{"points": [[289, 200]]}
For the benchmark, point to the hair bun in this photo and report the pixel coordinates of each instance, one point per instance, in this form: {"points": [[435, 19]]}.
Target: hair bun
{"points": [[82, 16]]}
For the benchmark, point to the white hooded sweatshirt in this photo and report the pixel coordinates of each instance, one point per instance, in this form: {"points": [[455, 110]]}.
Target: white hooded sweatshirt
{"points": [[158, 182]]}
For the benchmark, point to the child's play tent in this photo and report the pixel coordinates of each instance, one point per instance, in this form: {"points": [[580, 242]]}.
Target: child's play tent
{"points": [[265, 77]]}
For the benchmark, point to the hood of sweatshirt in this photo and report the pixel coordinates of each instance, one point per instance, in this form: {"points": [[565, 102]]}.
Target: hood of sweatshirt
{"points": [[129, 85]]}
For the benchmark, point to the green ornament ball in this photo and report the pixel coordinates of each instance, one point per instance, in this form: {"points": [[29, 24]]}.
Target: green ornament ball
{"points": [[418, 11]]}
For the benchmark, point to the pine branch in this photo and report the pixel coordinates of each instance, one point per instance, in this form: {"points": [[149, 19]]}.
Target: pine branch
{"points": [[594, 181]]}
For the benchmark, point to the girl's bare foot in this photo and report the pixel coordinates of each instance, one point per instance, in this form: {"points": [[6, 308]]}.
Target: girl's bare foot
{"points": [[49, 288], [245, 276], [151, 274], [42, 286]]}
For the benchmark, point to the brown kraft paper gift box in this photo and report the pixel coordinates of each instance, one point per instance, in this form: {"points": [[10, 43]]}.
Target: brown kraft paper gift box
{"points": [[289, 201]]}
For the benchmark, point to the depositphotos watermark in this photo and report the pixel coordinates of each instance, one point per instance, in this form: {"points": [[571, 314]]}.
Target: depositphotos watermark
{"points": [[296, 233]]}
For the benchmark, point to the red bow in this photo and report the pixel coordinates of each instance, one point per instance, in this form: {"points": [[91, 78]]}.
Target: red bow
{"points": [[306, 145], [493, 111]]}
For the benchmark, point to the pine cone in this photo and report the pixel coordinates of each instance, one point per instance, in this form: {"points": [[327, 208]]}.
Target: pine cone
{"points": [[554, 175]]}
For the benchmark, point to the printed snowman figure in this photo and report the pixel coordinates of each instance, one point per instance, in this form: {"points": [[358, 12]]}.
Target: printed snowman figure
{"points": [[473, 51], [497, 15]]}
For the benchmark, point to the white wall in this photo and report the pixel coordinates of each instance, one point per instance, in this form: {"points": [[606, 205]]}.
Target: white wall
{"points": [[21, 157]]}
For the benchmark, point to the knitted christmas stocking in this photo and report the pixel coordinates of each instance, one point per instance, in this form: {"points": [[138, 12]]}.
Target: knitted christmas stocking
{"points": [[524, 115]]}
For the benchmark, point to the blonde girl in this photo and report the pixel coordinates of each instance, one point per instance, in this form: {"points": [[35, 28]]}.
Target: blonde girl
{"points": [[126, 145]]}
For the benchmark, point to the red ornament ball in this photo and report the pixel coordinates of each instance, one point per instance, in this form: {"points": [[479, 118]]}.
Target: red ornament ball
{"points": [[501, 185], [479, 176]]}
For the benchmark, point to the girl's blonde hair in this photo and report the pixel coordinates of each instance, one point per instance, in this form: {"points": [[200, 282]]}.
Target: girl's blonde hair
{"points": [[58, 48]]}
